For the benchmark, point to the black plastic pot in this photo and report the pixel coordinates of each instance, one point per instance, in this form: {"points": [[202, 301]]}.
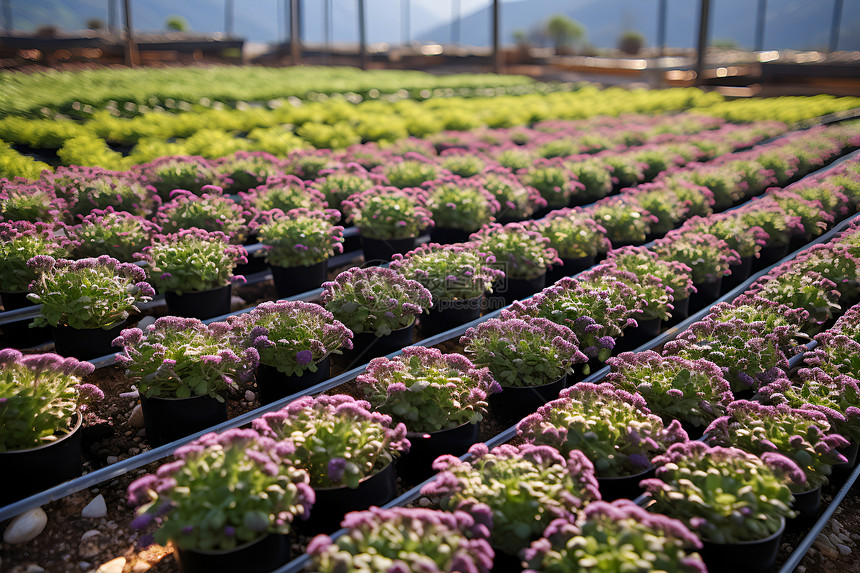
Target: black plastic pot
{"points": [[291, 281], [569, 267], [447, 314], [32, 470], [415, 466], [379, 251], [255, 264], [85, 343], [841, 471], [367, 345], [693, 432], [625, 487], [168, 419], [680, 311], [274, 385], [515, 402], [449, 235], [511, 289], [20, 334], [748, 556], [636, 337], [258, 556], [332, 503], [806, 504], [505, 562], [706, 293], [739, 273], [769, 255], [200, 304]]}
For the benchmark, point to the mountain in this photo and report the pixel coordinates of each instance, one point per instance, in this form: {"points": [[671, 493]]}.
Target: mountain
{"points": [[797, 24]]}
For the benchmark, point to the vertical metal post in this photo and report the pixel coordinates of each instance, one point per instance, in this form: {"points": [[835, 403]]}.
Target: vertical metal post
{"points": [[362, 36], [661, 26], [497, 54], [455, 21], [405, 25], [702, 44], [228, 18], [761, 16], [300, 22], [111, 5], [295, 37], [327, 26], [8, 26], [834, 26], [132, 58]]}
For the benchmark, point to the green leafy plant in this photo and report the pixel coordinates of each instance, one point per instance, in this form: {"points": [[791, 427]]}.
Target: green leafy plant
{"points": [[708, 257], [573, 234], [521, 251], [460, 204], [118, 234], [299, 238], [388, 213], [20, 241], [210, 211]]}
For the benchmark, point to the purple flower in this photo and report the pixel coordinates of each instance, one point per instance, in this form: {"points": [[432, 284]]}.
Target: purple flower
{"points": [[336, 467], [304, 357]]}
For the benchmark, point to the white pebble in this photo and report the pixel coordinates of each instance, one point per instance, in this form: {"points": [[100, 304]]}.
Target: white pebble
{"points": [[135, 419], [145, 321], [34, 569], [111, 459], [96, 508], [843, 549], [237, 301], [26, 526], [90, 533], [130, 395], [112, 566], [84, 565], [249, 396]]}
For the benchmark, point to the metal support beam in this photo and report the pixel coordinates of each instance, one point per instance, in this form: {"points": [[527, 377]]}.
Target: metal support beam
{"points": [[295, 34], [405, 25], [111, 23], [455, 22], [834, 26], [761, 17], [497, 53], [362, 36], [228, 18], [661, 26], [132, 58], [702, 44]]}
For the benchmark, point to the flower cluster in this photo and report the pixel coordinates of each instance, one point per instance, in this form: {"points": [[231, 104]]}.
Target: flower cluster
{"points": [[118, 234], [522, 353], [244, 170], [388, 212], [516, 200], [707, 256], [299, 238], [412, 172], [594, 541], [573, 234], [644, 262], [725, 495], [783, 323], [518, 491], [27, 202], [802, 290], [87, 293], [693, 391], [798, 433], [192, 260], [20, 241], [223, 491], [449, 272], [284, 192], [338, 184], [190, 173], [292, 336], [428, 390], [338, 440], [39, 394], [744, 240], [556, 183], [94, 188], [375, 299], [521, 251], [400, 540], [647, 295], [210, 211], [460, 204], [624, 219], [182, 357], [612, 427]]}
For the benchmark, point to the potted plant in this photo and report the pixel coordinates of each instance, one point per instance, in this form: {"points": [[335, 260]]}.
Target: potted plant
{"points": [[595, 175], [94, 188], [522, 253], [747, 357], [596, 315], [378, 305], [576, 237], [282, 192], [194, 270], [29, 202], [676, 275], [413, 171], [251, 483], [191, 173], [593, 541], [458, 207], [801, 434], [86, 302], [246, 170], [460, 163], [405, 539], [765, 213], [210, 211], [517, 201], [737, 503], [555, 182], [838, 349], [522, 488], [457, 277], [746, 241], [389, 220], [835, 263], [664, 205], [708, 257], [338, 184], [347, 450], [441, 398], [182, 369], [42, 401], [297, 245], [295, 341], [794, 288], [611, 427], [530, 358], [20, 241], [118, 234], [814, 219], [626, 223], [627, 169], [692, 391], [784, 323]]}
